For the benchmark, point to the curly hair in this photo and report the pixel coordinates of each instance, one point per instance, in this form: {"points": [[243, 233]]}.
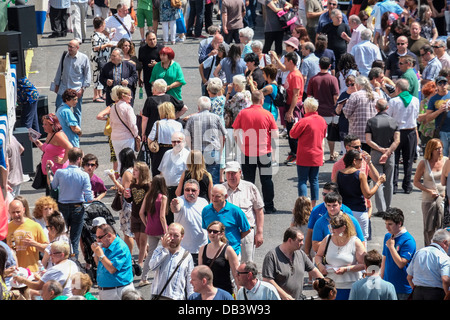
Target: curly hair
{"points": [[43, 202]]}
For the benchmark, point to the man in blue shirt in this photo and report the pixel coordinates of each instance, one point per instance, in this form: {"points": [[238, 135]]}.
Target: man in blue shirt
{"points": [[333, 202], [74, 187], [232, 217], [114, 262], [398, 250]]}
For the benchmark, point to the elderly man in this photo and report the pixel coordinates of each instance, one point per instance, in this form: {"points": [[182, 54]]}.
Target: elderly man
{"points": [[392, 67], [118, 72], [440, 50], [404, 108], [148, 56], [187, 210], [429, 270], [172, 166], [74, 72], [335, 31], [150, 112], [205, 131], [233, 218], [246, 196], [383, 137], [202, 283], [326, 17], [284, 267], [254, 129], [114, 262], [165, 261], [433, 64], [310, 64], [120, 25], [251, 287], [355, 24], [211, 49], [25, 237], [365, 52]]}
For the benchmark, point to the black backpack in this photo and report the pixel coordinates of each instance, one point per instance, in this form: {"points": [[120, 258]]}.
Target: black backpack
{"points": [[281, 97]]}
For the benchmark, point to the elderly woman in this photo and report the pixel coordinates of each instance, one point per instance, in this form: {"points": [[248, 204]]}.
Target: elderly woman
{"points": [[118, 72], [67, 119], [161, 132], [123, 121], [61, 271], [310, 132], [273, 31], [264, 59], [241, 99], [246, 36], [431, 178], [341, 255], [170, 71]]}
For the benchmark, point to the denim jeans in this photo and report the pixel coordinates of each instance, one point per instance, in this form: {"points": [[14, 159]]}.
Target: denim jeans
{"points": [[308, 173], [445, 139], [29, 116], [74, 217], [212, 161]]}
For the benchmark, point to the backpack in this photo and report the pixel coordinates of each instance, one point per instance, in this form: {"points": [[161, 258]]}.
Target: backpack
{"points": [[281, 97]]}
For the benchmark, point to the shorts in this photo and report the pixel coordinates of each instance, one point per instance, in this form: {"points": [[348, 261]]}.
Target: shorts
{"points": [[333, 119], [143, 15]]}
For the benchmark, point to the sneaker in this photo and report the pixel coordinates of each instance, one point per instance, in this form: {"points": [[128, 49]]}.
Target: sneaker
{"points": [[289, 159], [178, 39]]}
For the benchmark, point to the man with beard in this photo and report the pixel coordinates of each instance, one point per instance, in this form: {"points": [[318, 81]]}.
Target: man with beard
{"points": [[170, 257], [187, 210]]}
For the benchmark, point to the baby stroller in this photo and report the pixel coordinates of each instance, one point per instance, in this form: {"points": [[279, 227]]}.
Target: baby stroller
{"points": [[93, 210]]}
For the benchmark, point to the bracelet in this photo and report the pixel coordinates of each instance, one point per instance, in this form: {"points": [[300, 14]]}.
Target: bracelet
{"points": [[348, 268]]}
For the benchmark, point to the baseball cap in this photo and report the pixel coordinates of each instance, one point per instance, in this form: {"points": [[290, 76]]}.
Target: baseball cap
{"points": [[98, 221], [440, 79], [233, 166]]}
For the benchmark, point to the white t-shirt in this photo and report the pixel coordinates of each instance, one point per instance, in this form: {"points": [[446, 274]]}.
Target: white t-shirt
{"points": [[62, 272], [119, 32]]}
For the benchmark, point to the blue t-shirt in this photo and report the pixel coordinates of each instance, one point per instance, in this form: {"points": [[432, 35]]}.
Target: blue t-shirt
{"points": [[405, 245], [67, 119], [321, 230], [434, 104], [234, 220], [220, 295], [319, 210]]}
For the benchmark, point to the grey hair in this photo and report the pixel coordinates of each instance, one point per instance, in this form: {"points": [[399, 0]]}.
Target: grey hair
{"points": [[309, 46], [250, 266], [335, 12], [191, 181], [366, 34], [221, 187], [214, 85], [402, 84], [257, 44], [120, 52], [240, 81], [355, 19], [311, 104], [365, 84], [204, 103], [160, 85], [441, 235], [441, 43], [247, 32]]}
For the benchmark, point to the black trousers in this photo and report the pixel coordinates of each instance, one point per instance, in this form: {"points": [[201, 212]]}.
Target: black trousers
{"points": [[407, 148], [58, 21], [270, 38]]}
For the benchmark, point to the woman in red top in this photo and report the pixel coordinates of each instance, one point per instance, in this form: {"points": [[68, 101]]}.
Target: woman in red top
{"points": [[310, 132]]}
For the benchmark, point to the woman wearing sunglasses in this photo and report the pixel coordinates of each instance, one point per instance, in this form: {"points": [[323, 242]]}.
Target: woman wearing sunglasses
{"points": [[220, 257]]}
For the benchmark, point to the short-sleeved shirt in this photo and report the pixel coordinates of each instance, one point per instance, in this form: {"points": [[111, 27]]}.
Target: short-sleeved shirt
{"points": [[67, 119], [434, 104], [286, 274], [411, 76], [120, 257], [321, 230], [234, 220], [405, 245], [150, 109], [320, 210], [97, 186], [324, 87], [382, 128], [220, 295], [293, 81], [234, 10]]}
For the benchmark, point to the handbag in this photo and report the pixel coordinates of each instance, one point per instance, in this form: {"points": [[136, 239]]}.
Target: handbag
{"points": [[161, 297], [40, 179], [176, 3], [154, 145], [181, 24], [137, 139], [107, 131], [324, 259], [286, 18], [116, 204], [333, 132]]}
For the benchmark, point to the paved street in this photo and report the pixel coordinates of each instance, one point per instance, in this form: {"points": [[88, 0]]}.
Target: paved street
{"points": [[44, 64]]}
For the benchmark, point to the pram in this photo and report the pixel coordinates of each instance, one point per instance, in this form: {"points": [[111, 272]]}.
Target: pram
{"points": [[93, 210]]}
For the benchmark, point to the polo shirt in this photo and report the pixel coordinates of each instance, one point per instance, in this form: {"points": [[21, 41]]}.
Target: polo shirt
{"points": [[262, 290], [372, 288], [382, 128], [405, 245], [320, 210], [256, 123], [120, 257], [323, 86], [234, 220], [321, 229]]}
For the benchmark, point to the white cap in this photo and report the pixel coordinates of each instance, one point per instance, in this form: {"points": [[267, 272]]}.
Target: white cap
{"points": [[233, 166], [98, 221]]}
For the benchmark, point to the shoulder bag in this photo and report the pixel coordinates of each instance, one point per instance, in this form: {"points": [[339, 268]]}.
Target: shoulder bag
{"points": [[154, 145], [160, 296], [137, 139], [324, 259], [120, 21]]}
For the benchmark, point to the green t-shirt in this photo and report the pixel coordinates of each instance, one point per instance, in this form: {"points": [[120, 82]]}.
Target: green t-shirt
{"points": [[411, 76], [144, 4]]}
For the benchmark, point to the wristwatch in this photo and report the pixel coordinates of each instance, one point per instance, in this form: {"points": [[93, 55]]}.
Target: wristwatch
{"points": [[101, 257]]}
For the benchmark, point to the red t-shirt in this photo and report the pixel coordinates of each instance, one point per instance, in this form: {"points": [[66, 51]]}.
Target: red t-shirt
{"points": [[294, 80], [256, 124]]}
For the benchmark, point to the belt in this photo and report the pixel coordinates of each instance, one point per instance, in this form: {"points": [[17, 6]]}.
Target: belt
{"points": [[165, 145], [77, 204], [408, 129], [111, 288]]}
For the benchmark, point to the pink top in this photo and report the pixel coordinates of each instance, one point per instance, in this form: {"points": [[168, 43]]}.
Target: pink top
{"points": [[154, 227], [126, 113], [50, 152]]}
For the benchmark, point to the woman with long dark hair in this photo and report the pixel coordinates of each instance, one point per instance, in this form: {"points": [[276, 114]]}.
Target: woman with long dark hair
{"points": [[232, 65]]}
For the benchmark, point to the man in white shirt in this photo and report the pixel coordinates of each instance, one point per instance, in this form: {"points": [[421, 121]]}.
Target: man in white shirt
{"points": [[172, 166], [440, 50], [121, 25], [187, 210], [355, 24], [404, 108]]}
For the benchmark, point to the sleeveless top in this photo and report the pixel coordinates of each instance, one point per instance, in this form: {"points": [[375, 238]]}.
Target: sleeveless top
{"points": [[154, 227], [350, 190], [268, 101], [220, 270], [50, 152], [430, 184]]}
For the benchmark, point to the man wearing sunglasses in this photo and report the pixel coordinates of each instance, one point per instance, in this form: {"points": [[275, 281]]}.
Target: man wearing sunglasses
{"points": [[114, 261], [392, 68]]}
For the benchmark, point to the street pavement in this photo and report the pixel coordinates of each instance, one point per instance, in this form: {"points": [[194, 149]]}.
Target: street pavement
{"points": [[42, 71]]}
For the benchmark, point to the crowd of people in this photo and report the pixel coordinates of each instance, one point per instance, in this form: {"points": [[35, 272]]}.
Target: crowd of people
{"points": [[374, 81]]}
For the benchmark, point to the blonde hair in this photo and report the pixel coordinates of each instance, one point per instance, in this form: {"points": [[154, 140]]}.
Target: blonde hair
{"points": [[365, 84], [61, 246], [196, 165], [144, 173], [82, 281], [166, 110]]}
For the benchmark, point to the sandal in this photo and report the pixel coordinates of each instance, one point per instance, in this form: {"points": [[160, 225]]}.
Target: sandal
{"points": [[99, 100], [144, 283]]}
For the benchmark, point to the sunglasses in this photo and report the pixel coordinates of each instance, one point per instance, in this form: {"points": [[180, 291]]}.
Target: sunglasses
{"points": [[101, 237], [402, 43], [214, 231], [190, 190]]}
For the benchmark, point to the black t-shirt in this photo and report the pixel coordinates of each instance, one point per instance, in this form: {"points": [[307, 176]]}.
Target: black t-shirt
{"points": [[335, 41], [150, 109], [147, 54]]}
